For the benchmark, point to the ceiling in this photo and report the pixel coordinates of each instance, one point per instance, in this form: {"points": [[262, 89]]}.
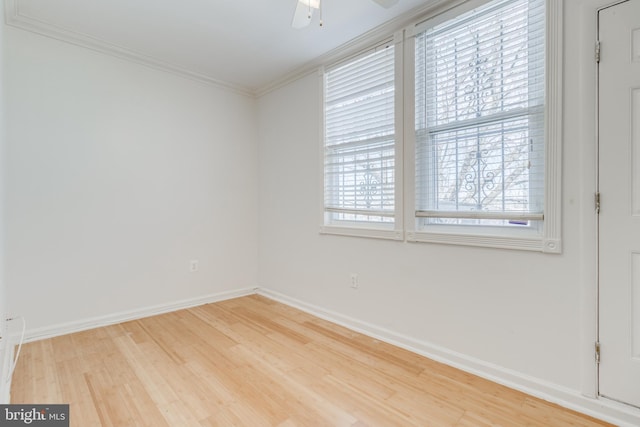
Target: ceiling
{"points": [[246, 44]]}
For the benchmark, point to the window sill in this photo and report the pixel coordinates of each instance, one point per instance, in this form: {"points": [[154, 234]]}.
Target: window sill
{"points": [[528, 243], [362, 232]]}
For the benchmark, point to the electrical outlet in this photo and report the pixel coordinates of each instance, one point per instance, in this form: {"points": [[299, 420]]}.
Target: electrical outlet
{"points": [[354, 281], [193, 265]]}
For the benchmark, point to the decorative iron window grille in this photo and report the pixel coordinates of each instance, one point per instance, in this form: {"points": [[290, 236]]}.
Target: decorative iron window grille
{"points": [[480, 117]]}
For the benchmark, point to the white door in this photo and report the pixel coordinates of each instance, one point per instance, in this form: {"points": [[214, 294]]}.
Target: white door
{"points": [[619, 186]]}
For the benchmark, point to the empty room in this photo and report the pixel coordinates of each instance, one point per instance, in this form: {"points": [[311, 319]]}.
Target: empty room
{"points": [[319, 213]]}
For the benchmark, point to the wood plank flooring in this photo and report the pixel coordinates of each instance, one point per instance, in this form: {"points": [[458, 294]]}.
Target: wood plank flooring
{"points": [[254, 362]]}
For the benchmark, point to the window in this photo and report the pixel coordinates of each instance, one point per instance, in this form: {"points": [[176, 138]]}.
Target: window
{"points": [[480, 117], [478, 92], [360, 143], [480, 135]]}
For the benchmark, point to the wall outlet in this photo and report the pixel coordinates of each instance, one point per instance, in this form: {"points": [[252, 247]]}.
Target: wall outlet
{"points": [[193, 265], [354, 281]]}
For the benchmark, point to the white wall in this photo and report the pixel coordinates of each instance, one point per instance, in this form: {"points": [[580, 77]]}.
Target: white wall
{"points": [[117, 176], [527, 314], [4, 359], [2, 167], [506, 307]]}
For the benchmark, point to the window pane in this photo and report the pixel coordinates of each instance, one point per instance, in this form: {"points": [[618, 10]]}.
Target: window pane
{"points": [[479, 113], [360, 139]]}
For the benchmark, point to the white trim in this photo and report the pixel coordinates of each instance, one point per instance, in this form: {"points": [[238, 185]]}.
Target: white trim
{"points": [[588, 273], [553, 127], [124, 316], [612, 412], [321, 95], [589, 136], [487, 241], [398, 39], [588, 244], [550, 246], [409, 134], [372, 233], [14, 18]]}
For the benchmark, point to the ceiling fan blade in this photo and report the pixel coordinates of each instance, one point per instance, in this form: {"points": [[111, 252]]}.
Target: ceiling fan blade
{"points": [[386, 3], [302, 15]]}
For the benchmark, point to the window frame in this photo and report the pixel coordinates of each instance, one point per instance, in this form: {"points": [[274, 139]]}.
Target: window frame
{"points": [[546, 237], [390, 231]]}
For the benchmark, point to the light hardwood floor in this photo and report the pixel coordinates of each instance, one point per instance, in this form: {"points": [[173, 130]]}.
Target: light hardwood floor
{"points": [[254, 362]]}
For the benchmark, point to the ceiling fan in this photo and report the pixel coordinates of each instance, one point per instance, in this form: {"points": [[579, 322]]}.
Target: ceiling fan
{"points": [[306, 8]]}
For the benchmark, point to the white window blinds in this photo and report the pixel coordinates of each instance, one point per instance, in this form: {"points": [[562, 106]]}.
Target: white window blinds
{"points": [[479, 93], [359, 140]]}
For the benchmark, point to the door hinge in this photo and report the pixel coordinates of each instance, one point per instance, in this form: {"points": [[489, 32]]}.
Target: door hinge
{"points": [[597, 351], [597, 51], [597, 200]]}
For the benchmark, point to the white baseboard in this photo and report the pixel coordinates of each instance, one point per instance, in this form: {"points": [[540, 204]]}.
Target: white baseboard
{"points": [[99, 321], [603, 409]]}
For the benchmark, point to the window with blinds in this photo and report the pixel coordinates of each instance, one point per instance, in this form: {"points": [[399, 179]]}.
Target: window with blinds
{"points": [[359, 140], [479, 103]]}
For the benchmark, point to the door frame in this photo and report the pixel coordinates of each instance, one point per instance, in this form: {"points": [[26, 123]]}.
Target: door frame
{"points": [[597, 171], [591, 287], [589, 164]]}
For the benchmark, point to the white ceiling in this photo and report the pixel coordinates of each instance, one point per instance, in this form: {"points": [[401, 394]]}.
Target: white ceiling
{"points": [[244, 43]]}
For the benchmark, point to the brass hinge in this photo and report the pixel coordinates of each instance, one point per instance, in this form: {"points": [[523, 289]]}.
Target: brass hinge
{"points": [[597, 351], [597, 200], [598, 51]]}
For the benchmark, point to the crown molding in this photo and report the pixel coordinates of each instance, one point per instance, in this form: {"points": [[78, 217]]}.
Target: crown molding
{"points": [[366, 40], [15, 19]]}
